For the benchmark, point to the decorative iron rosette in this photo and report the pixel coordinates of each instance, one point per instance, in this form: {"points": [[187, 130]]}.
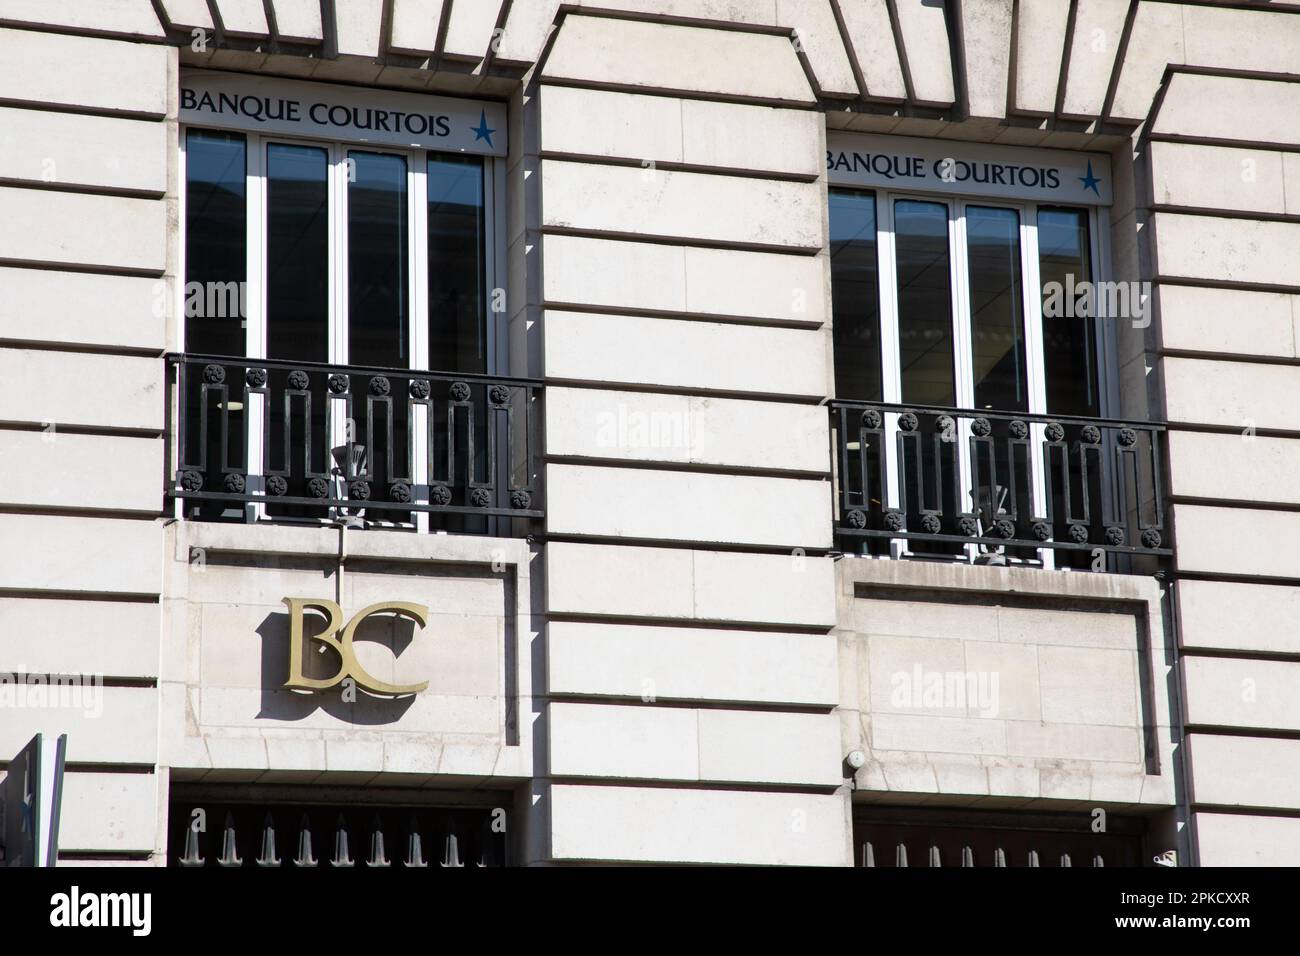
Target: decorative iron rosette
{"points": [[319, 488], [1115, 536], [981, 427], [1018, 428], [1127, 437], [234, 484], [214, 374], [908, 422], [298, 380], [1151, 538], [1005, 528], [872, 418], [419, 388], [380, 386], [968, 526], [1042, 531], [191, 480], [459, 391], [855, 519], [893, 521], [1078, 533], [521, 499], [931, 524], [276, 485], [499, 395], [338, 383], [480, 497], [439, 495], [399, 491], [255, 377], [1090, 434], [359, 489], [1054, 431]]}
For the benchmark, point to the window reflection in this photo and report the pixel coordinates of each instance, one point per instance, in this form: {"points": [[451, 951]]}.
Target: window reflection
{"points": [[297, 253], [1069, 340], [997, 308], [457, 307], [855, 295], [216, 245], [925, 345], [378, 301]]}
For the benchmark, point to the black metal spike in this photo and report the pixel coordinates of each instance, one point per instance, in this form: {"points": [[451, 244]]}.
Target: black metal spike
{"points": [[305, 857], [191, 857], [229, 849], [377, 855], [342, 857], [414, 847], [268, 857], [451, 848]]}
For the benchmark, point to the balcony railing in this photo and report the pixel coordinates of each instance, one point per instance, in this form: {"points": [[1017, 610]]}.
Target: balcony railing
{"points": [[993, 485], [267, 439]]}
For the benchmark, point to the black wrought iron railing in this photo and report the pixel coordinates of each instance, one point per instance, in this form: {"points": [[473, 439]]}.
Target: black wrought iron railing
{"points": [[262, 438], [944, 480]]}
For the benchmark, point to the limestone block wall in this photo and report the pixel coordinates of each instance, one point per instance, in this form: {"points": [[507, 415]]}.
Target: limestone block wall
{"points": [[85, 264], [676, 197], [1224, 171]]}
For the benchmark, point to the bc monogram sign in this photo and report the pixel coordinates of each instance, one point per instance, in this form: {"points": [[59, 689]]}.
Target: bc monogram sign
{"points": [[339, 636]]}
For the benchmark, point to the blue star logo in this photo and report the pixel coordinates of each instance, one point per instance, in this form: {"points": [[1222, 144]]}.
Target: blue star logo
{"points": [[1090, 181], [482, 131]]}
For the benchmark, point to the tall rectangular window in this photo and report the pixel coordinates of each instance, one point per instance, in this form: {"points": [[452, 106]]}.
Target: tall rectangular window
{"points": [[457, 270], [216, 242], [378, 299], [925, 345], [856, 302], [297, 253], [1069, 339], [997, 315]]}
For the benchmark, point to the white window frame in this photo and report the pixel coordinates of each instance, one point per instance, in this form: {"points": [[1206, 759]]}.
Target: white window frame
{"points": [[963, 359], [494, 264]]}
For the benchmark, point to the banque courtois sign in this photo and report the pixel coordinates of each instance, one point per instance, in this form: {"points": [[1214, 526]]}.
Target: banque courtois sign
{"points": [[907, 164], [351, 114]]}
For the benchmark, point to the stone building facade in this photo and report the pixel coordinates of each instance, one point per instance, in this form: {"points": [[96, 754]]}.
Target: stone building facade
{"points": [[672, 535]]}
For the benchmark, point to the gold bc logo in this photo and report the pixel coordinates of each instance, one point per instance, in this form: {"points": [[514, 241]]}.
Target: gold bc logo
{"points": [[339, 637]]}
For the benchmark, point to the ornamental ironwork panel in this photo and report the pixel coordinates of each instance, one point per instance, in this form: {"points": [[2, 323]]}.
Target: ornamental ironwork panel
{"points": [[945, 478], [310, 440]]}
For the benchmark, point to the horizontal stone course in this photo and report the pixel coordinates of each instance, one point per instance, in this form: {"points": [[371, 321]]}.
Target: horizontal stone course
{"points": [[128, 77], [690, 663], [673, 583], [698, 826]]}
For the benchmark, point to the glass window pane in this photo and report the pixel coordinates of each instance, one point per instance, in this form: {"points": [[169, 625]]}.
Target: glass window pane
{"points": [[997, 308], [216, 242], [297, 253], [378, 302], [925, 346], [855, 295], [1069, 336], [457, 299]]}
